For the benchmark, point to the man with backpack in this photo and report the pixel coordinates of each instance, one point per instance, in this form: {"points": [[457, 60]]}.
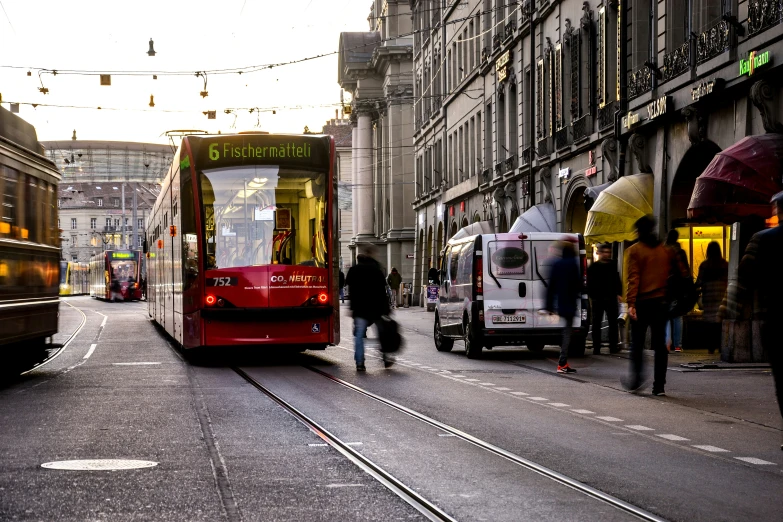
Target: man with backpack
{"points": [[367, 290]]}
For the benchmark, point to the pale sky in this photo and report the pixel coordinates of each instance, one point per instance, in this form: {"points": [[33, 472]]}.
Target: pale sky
{"points": [[189, 35]]}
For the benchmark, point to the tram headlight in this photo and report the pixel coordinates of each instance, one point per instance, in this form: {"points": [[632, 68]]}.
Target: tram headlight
{"points": [[210, 300]]}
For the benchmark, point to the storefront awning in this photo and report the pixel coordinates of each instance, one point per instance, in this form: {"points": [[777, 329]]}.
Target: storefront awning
{"points": [[740, 180], [617, 208], [538, 218]]}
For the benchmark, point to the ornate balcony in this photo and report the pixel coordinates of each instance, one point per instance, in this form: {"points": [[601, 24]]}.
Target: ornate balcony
{"points": [[417, 122], [525, 156], [485, 175], [639, 82], [496, 41], [606, 115], [677, 62], [542, 148], [510, 163], [511, 26], [498, 169], [561, 138], [582, 127], [714, 41], [763, 14]]}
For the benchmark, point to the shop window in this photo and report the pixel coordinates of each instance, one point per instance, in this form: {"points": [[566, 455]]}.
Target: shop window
{"points": [[694, 240]]}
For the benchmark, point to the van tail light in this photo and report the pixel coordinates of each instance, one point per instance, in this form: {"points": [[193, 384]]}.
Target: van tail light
{"points": [[478, 268]]}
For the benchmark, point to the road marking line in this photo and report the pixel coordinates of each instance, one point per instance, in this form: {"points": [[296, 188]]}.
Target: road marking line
{"points": [[711, 449], [559, 404], [89, 352], [668, 436], [458, 375], [584, 412], [486, 384], [538, 399], [103, 323], [502, 389], [638, 427], [754, 460], [317, 445], [446, 435], [134, 363], [519, 393], [610, 419], [354, 443], [471, 380]]}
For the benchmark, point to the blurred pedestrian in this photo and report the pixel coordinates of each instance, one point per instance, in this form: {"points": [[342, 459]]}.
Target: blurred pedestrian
{"points": [[712, 281], [565, 285], [674, 324], [649, 266], [760, 271], [367, 289], [605, 291], [341, 282], [394, 280]]}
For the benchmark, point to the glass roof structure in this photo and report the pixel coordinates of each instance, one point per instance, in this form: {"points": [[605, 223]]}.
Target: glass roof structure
{"points": [[83, 161]]}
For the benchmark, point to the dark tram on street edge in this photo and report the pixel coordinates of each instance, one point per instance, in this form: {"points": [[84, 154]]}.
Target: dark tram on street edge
{"points": [[241, 244], [29, 245], [115, 275]]}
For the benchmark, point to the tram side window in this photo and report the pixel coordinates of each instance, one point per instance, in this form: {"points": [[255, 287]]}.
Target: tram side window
{"points": [[54, 222], [188, 233], [9, 225]]}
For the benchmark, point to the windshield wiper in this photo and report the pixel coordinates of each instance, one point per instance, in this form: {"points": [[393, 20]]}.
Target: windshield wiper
{"points": [[493, 275], [538, 273]]}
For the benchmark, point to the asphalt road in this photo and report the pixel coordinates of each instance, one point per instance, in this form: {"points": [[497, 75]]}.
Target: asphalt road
{"points": [[710, 450]]}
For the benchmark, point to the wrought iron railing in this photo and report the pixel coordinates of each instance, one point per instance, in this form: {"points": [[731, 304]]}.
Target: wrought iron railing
{"points": [[561, 138], [639, 82], [510, 163], [496, 41], [485, 175], [714, 41], [606, 115], [677, 62], [542, 148], [498, 169], [417, 122], [580, 127], [525, 156], [763, 14], [485, 53], [511, 26]]}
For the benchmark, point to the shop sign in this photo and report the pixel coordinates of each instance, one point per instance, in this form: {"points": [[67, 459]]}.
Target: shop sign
{"points": [[630, 119], [592, 170], [451, 210], [501, 65], [657, 107], [705, 88], [462, 206], [754, 61], [564, 173]]}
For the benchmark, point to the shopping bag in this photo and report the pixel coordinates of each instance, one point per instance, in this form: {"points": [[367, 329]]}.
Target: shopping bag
{"points": [[389, 333]]}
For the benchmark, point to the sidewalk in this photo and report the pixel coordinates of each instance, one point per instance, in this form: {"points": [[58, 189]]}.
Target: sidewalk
{"points": [[695, 379]]}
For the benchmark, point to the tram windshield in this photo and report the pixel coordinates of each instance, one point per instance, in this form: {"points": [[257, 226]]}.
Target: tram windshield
{"points": [[123, 271], [264, 215]]}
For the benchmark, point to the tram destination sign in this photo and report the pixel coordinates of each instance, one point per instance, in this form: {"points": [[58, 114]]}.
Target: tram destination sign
{"points": [[260, 149]]}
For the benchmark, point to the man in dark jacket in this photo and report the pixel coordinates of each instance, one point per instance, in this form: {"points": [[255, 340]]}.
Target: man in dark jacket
{"points": [[605, 291], [759, 271], [562, 294], [367, 289], [395, 280]]}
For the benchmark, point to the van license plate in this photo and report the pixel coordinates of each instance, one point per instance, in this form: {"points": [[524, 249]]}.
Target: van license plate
{"points": [[508, 318]]}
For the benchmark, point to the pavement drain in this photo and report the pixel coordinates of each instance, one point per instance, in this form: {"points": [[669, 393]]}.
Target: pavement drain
{"points": [[99, 464]]}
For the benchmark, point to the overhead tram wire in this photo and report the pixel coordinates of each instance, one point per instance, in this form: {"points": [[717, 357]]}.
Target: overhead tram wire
{"points": [[246, 69]]}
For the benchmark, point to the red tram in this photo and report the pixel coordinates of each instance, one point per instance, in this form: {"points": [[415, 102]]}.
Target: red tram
{"points": [[115, 275], [241, 243]]}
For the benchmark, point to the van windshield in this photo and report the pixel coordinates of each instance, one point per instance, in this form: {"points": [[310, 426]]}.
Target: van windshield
{"points": [[508, 260]]}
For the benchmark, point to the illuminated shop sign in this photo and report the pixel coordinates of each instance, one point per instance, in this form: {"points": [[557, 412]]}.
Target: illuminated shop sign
{"points": [[501, 65], [657, 107], [706, 88], [630, 119], [755, 60]]}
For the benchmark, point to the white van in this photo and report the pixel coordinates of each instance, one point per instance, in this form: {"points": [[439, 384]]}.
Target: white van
{"points": [[492, 287]]}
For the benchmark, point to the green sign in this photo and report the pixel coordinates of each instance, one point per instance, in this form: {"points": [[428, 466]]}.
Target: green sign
{"points": [[123, 255], [754, 61], [264, 149]]}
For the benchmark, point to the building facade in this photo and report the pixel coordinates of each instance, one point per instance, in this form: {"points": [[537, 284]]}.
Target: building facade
{"points": [[375, 67], [342, 132], [511, 111], [107, 191]]}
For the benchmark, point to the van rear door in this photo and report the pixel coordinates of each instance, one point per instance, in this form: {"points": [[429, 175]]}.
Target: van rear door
{"points": [[545, 253], [508, 300]]}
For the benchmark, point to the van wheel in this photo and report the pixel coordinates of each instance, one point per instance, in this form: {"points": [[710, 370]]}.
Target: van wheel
{"points": [[535, 346], [577, 346], [442, 344], [473, 346]]}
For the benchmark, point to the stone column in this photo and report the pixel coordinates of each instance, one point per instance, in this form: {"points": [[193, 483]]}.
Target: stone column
{"points": [[354, 180], [363, 181]]}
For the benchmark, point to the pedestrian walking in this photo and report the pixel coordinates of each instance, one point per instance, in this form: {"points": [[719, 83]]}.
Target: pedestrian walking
{"points": [[605, 291], [341, 281], [674, 324], [562, 293], [367, 289], [649, 267], [760, 272], [712, 282], [394, 280]]}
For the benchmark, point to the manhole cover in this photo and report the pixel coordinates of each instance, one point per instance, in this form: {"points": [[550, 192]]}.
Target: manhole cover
{"points": [[99, 464]]}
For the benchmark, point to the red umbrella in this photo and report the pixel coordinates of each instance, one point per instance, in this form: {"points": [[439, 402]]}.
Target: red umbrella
{"points": [[740, 180]]}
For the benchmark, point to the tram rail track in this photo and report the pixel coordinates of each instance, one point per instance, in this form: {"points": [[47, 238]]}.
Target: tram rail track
{"points": [[61, 349]]}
